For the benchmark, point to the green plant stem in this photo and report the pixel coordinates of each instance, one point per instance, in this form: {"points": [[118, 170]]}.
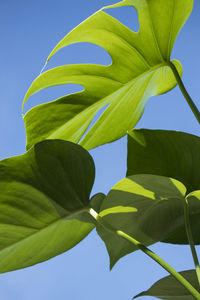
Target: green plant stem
{"points": [[190, 239], [185, 93], [148, 252], [186, 209]]}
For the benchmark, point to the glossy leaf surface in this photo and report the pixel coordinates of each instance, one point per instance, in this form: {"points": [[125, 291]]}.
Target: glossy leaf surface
{"points": [[159, 214], [169, 288], [166, 153], [44, 195], [140, 69]]}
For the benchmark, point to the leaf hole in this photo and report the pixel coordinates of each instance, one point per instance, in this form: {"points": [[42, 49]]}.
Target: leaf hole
{"points": [[80, 53], [52, 93], [95, 119], [127, 15]]}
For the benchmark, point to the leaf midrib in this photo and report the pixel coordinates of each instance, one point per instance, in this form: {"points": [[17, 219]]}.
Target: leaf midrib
{"points": [[153, 32], [170, 32], [57, 221]]}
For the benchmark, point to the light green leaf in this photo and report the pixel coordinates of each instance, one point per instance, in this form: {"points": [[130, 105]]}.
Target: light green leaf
{"points": [[117, 210], [166, 153], [44, 197], [140, 69], [158, 205], [169, 288]]}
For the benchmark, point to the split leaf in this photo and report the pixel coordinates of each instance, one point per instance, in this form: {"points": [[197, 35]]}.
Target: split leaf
{"points": [[140, 69]]}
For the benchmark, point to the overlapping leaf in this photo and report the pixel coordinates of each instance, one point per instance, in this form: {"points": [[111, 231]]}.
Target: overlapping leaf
{"points": [[169, 288], [159, 215], [140, 69], [166, 153], [43, 199]]}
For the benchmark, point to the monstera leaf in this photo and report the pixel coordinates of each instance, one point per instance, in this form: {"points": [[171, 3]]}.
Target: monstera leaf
{"points": [[140, 69], [166, 153], [159, 213], [168, 288], [44, 196]]}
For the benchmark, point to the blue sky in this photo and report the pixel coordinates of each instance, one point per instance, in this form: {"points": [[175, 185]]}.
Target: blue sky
{"points": [[29, 31]]}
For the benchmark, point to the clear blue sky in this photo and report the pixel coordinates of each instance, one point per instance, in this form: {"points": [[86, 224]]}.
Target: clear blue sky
{"points": [[29, 31]]}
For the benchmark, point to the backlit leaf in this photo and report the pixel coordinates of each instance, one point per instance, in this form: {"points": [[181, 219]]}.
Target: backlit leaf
{"points": [[44, 198], [158, 204], [140, 69]]}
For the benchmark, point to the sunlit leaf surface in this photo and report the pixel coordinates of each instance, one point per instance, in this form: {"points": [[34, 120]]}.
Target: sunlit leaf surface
{"points": [[43, 199], [159, 213], [140, 69]]}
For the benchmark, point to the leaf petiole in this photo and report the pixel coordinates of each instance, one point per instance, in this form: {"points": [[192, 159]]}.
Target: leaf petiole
{"points": [[148, 252], [190, 239], [189, 100], [186, 208]]}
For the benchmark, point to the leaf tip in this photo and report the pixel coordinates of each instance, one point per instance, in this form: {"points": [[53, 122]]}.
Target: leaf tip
{"points": [[112, 262], [139, 295]]}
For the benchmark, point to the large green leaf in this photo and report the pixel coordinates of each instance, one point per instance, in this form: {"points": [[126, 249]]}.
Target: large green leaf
{"points": [[159, 215], [166, 153], [140, 69], [155, 200], [169, 288], [44, 196]]}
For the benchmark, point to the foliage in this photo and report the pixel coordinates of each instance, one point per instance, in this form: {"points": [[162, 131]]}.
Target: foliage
{"points": [[158, 216], [45, 193], [165, 153], [140, 69], [169, 288]]}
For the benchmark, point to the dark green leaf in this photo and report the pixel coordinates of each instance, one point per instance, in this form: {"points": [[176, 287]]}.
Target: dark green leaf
{"points": [[168, 288], [140, 69], [166, 153], [158, 205], [96, 201], [173, 154], [44, 196]]}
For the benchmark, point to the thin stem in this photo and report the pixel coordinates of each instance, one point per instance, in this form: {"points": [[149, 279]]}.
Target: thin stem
{"points": [[190, 239], [148, 252], [186, 210], [185, 93]]}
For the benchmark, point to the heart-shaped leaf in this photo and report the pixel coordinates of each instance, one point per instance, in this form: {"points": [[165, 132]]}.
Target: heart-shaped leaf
{"points": [[166, 153], [159, 214], [140, 69], [150, 208], [168, 288], [43, 203]]}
